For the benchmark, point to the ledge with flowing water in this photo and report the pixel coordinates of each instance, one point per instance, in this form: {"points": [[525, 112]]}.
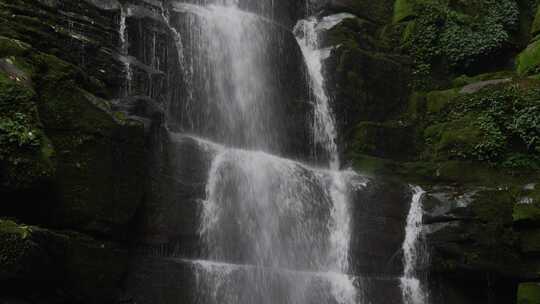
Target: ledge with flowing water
{"points": [[254, 226]]}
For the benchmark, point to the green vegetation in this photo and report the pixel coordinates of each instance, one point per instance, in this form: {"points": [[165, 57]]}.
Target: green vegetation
{"points": [[25, 152], [498, 125], [447, 38], [528, 62], [403, 10], [529, 293]]}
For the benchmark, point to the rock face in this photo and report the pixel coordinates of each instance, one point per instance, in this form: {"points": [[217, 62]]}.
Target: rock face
{"points": [[427, 124], [86, 86], [69, 158]]}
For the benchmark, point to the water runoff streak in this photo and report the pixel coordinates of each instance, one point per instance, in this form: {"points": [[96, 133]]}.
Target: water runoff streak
{"points": [[413, 290], [273, 230]]}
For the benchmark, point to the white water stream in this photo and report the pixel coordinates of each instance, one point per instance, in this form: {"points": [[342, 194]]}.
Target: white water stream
{"points": [[412, 287]]}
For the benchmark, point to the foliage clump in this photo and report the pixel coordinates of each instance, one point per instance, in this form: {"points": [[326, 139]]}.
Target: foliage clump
{"points": [[500, 126], [455, 36], [24, 150]]}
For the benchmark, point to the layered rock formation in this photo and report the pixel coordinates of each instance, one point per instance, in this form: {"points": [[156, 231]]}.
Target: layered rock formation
{"points": [[424, 92]]}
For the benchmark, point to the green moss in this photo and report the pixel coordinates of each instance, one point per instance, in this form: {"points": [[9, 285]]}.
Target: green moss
{"points": [[528, 293], [26, 154], [416, 108], [408, 32], [498, 125], [496, 240], [12, 47], [390, 139], [403, 10], [438, 100], [455, 139], [10, 227], [528, 61], [460, 135], [527, 214], [76, 264], [495, 206], [373, 165], [476, 173]]}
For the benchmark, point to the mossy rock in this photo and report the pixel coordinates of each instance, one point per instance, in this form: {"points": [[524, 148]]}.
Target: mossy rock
{"points": [[29, 253], [80, 267], [373, 165], [438, 100], [527, 215], [528, 61], [55, 131], [387, 140], [494, 206], [12, 47], [455, 138], [404, 10], [355, 81], [528, 293], [416, 108], [483, 243]]}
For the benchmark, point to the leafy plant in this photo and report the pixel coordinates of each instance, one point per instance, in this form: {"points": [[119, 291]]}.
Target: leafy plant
{"points": [[509, 119], [458, 37]]}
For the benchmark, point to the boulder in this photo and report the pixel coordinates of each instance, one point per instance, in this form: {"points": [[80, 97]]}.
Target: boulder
{"points": [[470, 235], [367, 86]]}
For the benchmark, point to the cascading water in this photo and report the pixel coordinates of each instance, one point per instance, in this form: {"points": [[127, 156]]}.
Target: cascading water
{"points": [[308, 35], [273, 230], [228, 58], [274, 223], [411, 286]]}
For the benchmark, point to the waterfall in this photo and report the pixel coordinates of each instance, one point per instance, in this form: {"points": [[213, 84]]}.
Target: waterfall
{"points": [[282, 218], [273, 209], [413, 252], [272, 229]]}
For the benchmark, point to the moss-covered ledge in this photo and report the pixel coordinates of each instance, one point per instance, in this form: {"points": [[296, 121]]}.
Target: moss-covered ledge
{"points": [[60, 264]]}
